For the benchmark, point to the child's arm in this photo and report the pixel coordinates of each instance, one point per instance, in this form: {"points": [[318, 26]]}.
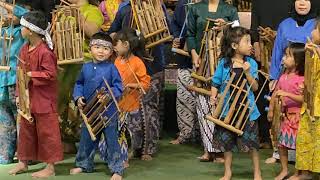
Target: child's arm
{"points": [[116, 86], [217, 80], [143, 77], [79, 85], [295, 97], [48, 72], [249, 77]]}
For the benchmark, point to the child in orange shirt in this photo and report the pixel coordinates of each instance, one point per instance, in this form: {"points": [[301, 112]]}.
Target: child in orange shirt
{"points": [[129, 46]]}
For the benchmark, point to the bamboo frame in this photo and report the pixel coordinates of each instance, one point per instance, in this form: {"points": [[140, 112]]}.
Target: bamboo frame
{"points": [[93, 113], [311, 76], [6, 40], [24, 108], [266, 42], [68, 35], [239, 110], [209, 55], [151, 21]]}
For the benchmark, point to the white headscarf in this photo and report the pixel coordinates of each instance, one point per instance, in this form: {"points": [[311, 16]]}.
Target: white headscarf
{"points": [[38, 30]]}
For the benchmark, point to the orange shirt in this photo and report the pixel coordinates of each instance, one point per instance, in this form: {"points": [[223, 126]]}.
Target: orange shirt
{"points": [[130, 101]]}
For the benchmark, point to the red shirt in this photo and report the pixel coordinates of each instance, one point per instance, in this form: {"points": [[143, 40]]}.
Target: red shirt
{"points": [[42, 63]]}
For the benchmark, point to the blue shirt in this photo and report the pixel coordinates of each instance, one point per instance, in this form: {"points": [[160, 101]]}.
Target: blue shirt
{"points": [[8, 78], [288, 31], [222, 74], [91, 79]]}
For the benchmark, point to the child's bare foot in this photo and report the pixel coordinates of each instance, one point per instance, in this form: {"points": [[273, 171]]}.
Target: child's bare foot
{"points": [[176, 141], [146, 157], [206, 157], [227, 176], [126, 164], [271, 160], [257, 176], [44, 173], [282, 175], [21, 167], [116, 177], [75, 171]]}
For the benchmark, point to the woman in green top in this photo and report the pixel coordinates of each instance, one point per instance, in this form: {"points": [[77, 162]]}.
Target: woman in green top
{"points": [[221, 12], [69, 122]]}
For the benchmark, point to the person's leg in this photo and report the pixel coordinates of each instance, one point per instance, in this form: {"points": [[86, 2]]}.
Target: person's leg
{"points": [[283, 152], [185, 106], [256, 164], [113, 151], [151, 116], [27, 145], [8, 133], [227, 166], [84, 161], [50, 148]]}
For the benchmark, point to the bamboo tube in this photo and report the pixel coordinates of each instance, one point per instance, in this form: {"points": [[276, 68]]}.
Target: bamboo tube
{"points": [[219, 107], [222, 124], [234, 103], [200, 90]]}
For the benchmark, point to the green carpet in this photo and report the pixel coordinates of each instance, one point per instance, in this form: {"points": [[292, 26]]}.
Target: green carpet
{"points": [[173, 162]]}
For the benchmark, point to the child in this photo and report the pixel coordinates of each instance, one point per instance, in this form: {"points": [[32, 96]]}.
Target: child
{"points": [[40, 140], [308, 138], [91, 79], [290, 90], [8, 109], [129, 46], [109, 9], [235, 49]]}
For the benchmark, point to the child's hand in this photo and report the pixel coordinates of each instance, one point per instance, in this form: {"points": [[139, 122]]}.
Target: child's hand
{"points": [[213, 100], [272, 85], [195, 58], [29, 74], [81, 103], [246, 67], [270, 116], [281, 93], [176, 43], [219, 23], [17, 102]]}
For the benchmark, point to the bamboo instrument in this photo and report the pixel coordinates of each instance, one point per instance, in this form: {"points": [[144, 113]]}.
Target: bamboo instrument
{"points": [[266, 42], [151, 21], [240, 108], [68, 34], [93, 114], [6, 39], [24, 108], [244, 6]]}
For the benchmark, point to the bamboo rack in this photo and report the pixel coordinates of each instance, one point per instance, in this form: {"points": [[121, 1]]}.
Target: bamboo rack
{"points": [[237, 105], [6, 39], [151, 21], [266, 42], [68, 34], [93, 114], [24, 108]]}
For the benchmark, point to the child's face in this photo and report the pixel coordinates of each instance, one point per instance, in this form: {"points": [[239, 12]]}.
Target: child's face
{"points": [[315, 35], [302, 7], [25, 33], [288, 59], [100, 53], [244, 47], [121, 48]]}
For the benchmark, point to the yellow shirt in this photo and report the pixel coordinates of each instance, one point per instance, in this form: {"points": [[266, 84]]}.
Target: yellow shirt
{"points": [[92, 14], [313, 76]]}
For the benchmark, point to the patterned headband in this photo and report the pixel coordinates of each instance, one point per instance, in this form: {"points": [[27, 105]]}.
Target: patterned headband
{"points": [[100, 42], [38, 30]]}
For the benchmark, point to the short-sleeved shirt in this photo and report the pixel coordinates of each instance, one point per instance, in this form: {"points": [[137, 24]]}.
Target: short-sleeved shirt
{"points": [[222, 75]]}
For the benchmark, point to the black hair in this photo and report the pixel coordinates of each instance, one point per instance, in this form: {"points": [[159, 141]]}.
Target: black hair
{"points": [[102, 36], [231, 35], [136, 41], [37, 18], [299, 54]]}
